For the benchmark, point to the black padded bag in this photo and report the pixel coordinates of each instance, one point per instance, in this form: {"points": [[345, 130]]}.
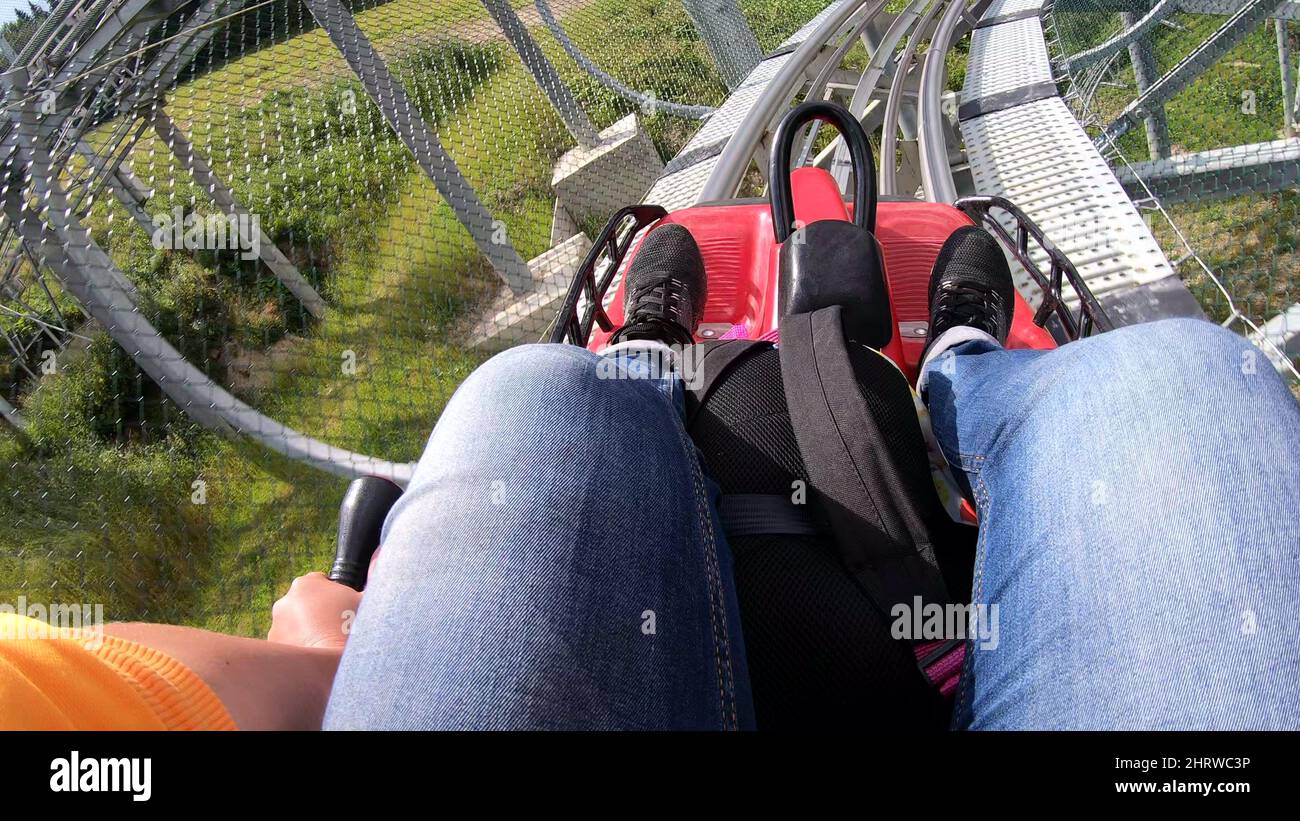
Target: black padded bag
{"points": [[820, 651]]}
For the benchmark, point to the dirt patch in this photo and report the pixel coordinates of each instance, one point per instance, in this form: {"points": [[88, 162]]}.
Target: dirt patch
{"points": [[249, 372]]}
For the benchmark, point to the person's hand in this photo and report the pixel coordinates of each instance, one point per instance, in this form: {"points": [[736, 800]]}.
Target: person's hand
{"points": [[316, 612]]}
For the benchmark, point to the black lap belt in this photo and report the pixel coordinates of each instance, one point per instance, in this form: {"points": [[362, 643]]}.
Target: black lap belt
{"points": [[764, 514], [880, 532]]}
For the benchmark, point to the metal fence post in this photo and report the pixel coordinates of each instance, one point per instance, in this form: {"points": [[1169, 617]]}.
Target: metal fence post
{"points": [[402, 115], [1284, 60], [727, 36], [1146, 73], [575, 119]]}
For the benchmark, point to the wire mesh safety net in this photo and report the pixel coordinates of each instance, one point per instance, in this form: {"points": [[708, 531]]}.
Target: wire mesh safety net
{"points": [[1193, 104], [249, 247]]}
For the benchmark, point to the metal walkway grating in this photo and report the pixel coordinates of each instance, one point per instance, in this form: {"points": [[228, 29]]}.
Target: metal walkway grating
{"points": [[993, 45], [1025, 145], [1000, 8], [1039, 157]]}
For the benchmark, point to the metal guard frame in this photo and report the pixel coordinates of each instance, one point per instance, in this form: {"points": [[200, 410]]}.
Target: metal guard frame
{"points": [[610, 247], [1090, 318], [616, 239]]}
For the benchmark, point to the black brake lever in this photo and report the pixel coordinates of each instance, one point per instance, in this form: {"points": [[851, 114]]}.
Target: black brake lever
{"points": [[361, 519]]}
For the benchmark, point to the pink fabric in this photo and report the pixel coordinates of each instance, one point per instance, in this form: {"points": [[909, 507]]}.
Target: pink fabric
{"points": [[740, 331], [945, 672]]}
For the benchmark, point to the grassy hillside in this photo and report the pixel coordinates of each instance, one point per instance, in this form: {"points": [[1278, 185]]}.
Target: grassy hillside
{"points": [[1250, 241], [118, 498]]}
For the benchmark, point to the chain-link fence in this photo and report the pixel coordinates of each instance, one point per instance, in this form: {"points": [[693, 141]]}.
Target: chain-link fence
{"points": [[251, 247], [1193, 104]]}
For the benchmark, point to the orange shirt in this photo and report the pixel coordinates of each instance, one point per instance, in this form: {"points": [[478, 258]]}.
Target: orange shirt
{"points": [[85, 681]]}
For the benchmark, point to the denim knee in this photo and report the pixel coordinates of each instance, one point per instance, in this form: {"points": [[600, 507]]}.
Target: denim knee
{"points": [[1187, 346], [1173, 364], [526, 366]]}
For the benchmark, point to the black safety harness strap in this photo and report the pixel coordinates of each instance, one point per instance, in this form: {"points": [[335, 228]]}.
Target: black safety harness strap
{"points": [[881, 538], [706, 366]]}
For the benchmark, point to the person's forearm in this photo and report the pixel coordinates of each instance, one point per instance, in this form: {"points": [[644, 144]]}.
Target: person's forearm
{"points": [[265, 685]]}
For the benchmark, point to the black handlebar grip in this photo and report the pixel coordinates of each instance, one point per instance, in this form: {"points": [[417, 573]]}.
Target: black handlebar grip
{"points": [[864, 164], [361, 518]]}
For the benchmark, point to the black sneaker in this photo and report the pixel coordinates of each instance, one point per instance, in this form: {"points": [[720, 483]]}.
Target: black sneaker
{"points": [[665, 289], [971, 285]]}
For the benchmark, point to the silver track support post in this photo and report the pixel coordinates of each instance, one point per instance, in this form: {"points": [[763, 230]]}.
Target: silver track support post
{"points": [[404, 118], [1288, 77], [1145, 73], [575, 119], [727, 36]]}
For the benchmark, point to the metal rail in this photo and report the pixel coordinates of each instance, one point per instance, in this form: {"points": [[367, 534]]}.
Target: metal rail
{"points": [[865, 91], [936, 171], [89, 274], [894, 103], [767, 110]]}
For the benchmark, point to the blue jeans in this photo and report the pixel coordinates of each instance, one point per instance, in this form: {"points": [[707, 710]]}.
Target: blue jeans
{"points": [[1139, 530], [557, 561]]}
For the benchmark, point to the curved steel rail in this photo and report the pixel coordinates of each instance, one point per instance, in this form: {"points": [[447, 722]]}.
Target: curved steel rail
{"points": [[91, 281], [739, 152], [817, 89], [42, 147], [791, 79], [889, 129], [936, 172], [645, 101], [866, 87]]}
